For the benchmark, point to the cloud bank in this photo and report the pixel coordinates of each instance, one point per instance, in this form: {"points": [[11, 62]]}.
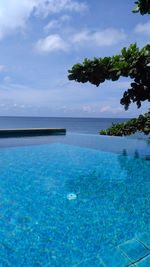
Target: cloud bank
{"points": [[73, 40], [51, 43], [14, 14], [106, 37], [143, 28]]}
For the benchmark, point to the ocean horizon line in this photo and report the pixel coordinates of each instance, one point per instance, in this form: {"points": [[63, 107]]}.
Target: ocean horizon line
{"points": [[63, 117]]}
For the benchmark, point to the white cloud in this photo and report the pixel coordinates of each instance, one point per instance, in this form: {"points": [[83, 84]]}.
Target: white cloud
{"points": [[51, 43], [53, 24], [106, 37], [65, 18], [102, 108], [143, 28], [57, 23], [113, 110], [2, 68], [56, 6], [18, 99], [7, 79], [55, 42], [14, 14], [105, 108], [88, 108]]}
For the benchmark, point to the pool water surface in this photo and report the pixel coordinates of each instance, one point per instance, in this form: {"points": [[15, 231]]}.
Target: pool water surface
{"points": [[66, 205]]}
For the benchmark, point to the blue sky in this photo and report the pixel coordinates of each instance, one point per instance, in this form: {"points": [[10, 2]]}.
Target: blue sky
{"points": [[40, 40]]}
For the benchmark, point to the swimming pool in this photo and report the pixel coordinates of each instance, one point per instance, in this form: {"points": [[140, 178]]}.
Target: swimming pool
{"points": [[74, 201]]}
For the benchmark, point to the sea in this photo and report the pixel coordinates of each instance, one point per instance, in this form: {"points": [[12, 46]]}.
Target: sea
{"points": [[72, 125]]}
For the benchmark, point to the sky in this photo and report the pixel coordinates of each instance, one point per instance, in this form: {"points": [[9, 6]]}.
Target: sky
{"points": [[40, 40]]}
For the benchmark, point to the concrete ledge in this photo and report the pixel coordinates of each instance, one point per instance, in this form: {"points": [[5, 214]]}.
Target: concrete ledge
{"points": [[31, 132]]}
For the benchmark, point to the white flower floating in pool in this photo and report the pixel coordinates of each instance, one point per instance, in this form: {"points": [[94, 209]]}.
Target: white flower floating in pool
{"points": [[71, 196]]}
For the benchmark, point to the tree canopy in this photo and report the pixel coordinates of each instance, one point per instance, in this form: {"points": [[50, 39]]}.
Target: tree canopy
{"points": [[141, 124], [132, 62], [142, 6]]}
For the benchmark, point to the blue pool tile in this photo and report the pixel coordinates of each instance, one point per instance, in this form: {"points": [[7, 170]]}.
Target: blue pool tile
{"points": [[40, 226], [5, 263], [134, 250], [93, 262], [144, 263], [144, 238], [113, 257]]}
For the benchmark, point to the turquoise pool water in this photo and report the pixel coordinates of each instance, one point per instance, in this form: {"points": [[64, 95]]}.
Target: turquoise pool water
{"points": [[67, 205]]}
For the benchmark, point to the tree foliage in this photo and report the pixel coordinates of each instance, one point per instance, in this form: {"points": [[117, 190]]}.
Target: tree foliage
{"points": [[142, 6], [133, 63], [141, 124]]}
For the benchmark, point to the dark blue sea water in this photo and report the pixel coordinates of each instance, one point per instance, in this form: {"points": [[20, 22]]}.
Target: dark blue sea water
{"points": [[76, 125]]}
